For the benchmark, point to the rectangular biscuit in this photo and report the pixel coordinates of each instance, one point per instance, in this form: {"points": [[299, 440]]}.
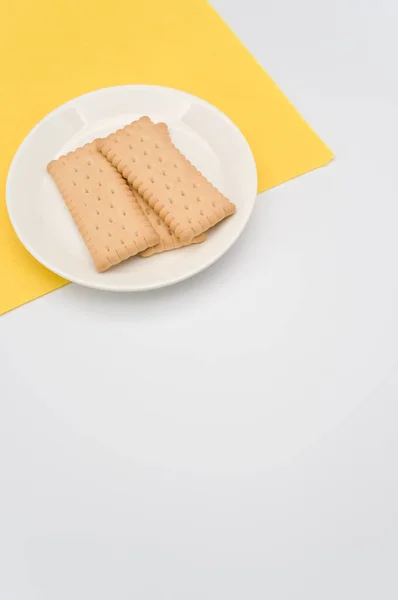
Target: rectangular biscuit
{"points": [[172, 186], [168, 241], [107, 215]]}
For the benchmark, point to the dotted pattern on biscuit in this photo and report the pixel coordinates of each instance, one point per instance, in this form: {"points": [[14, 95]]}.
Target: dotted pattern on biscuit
{"points": [[182, 197], [102, 205], [168, 241]]}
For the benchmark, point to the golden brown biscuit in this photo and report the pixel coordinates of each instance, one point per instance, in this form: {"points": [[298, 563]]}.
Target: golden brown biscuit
{"points": [[104, 209], [172, 186]]}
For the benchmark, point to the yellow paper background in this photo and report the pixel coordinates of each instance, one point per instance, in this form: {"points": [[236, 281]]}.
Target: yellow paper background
{"points": [[51, 52]]}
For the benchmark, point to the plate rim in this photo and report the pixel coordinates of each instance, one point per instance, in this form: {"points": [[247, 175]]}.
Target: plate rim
{"points": [[121, 287]]}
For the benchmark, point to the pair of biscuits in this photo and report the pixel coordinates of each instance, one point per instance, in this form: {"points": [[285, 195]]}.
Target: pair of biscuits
{"points": [[134, 192]]}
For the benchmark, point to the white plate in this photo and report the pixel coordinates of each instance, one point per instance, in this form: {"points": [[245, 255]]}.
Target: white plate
{"points": [[204, 134]]}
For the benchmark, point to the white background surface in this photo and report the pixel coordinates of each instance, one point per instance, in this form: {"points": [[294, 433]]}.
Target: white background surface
{"points": [[233, 436]]}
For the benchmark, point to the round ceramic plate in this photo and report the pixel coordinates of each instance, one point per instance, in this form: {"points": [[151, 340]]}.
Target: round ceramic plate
{"points": [[204, 134]]}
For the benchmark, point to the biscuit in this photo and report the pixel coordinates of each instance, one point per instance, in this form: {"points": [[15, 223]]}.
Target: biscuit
{"points": [[172, 186], [168, 241], [107, 215]]}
